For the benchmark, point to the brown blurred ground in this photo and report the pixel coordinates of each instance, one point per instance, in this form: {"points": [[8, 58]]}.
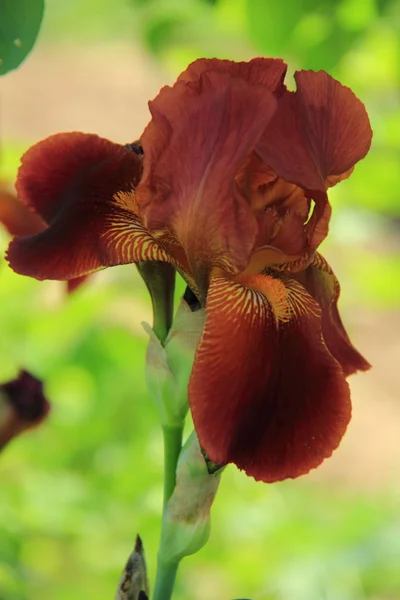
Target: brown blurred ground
{"points": [[105, 90]]}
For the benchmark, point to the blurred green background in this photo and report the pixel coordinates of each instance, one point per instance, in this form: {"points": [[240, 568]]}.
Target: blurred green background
{"points": [[74, 492]]}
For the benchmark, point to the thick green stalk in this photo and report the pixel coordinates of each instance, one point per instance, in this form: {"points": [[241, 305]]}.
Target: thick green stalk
{"points": [[165, 579], [166, 571], [172, 448]]}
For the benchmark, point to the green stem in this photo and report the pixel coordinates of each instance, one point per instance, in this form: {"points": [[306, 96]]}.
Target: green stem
{"points": [[166, 571], [165, 580], [172, 449]]}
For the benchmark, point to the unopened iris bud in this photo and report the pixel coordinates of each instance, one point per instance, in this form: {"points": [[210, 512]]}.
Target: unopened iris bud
{"points": [[134, 584], [168, 367], [186, 522], [22, 406]]}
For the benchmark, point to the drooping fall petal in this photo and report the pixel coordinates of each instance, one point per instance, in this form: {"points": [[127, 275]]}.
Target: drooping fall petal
{"points": [[200, 133], [321, 283], [20, 220], [318, 133], [264, 392], [83, 186]]}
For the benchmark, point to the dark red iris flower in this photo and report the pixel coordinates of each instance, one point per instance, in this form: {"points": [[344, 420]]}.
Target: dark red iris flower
{"points": [[231, 189], [22, 406]]}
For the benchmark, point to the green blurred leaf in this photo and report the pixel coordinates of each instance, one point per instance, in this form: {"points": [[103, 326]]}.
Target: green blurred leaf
{"points": [[272, 23], [383, 4], [315, 34], [158, 33], [20, 22]]}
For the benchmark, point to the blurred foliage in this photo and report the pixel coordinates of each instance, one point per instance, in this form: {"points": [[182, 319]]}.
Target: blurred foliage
{"points": [[76, 491], [79, 489], [357, 41], [20, 22]]}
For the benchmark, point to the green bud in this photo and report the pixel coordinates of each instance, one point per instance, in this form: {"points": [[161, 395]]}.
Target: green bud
{"points": [[168, 367], [186, 520]]}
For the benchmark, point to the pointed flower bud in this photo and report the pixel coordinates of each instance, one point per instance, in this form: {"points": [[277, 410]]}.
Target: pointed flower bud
{"points": [[186, 522], [168, 367], [134, 584], [22, 406]]}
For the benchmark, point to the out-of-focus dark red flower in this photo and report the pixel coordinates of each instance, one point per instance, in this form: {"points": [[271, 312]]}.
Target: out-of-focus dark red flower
{"points": [[229, 186], [22, 406], [19, 220]]}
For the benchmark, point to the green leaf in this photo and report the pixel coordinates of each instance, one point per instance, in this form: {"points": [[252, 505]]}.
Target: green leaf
{"points": [[272, 23], [313, 34], [19, 26], [159, 32]]}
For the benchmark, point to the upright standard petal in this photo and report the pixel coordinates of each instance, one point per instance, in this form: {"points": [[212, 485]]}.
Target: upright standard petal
{"points": [[321, 283], [265, 393], [200, 133], [269, 72], [83, 187], [318, 133]]}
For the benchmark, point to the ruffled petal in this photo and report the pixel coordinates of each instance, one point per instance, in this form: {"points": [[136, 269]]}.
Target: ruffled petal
{"points": [[318, 133], [269, 72], [83, 186], [265, 393], [321, 283], [200, 133]]}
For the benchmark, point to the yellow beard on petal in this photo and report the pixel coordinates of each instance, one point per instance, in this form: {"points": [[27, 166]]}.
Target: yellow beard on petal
{"points": [[126, 200], [268, 257], [273, 289]]}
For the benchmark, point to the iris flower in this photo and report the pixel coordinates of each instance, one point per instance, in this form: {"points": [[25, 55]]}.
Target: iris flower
{"points": [[229, 185], [22, 406]]}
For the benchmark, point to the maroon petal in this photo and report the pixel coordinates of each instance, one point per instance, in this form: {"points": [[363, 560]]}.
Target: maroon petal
{"points": [[321, 283], [269, 72], [200, 133], [265, 393], [83, 186], [59, 170], [74, 284], [317, 134], [16, 217]]}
